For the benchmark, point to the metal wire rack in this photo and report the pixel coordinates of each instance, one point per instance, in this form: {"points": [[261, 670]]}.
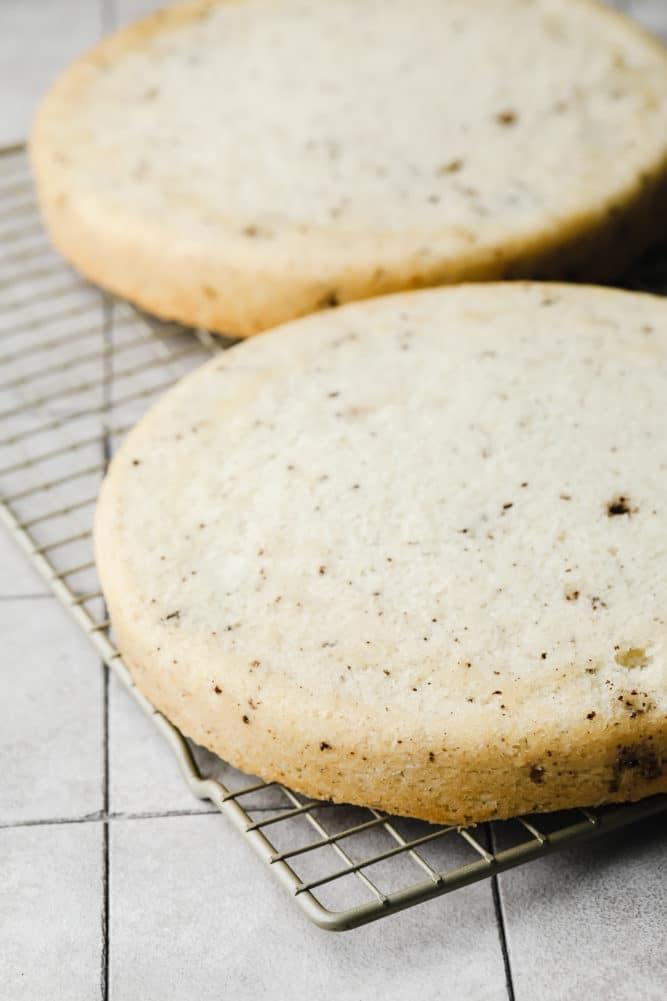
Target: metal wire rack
{"points": [[77, 368]]}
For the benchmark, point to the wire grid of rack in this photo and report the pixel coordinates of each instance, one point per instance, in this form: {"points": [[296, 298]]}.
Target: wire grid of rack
{"points": [[77, 369]]}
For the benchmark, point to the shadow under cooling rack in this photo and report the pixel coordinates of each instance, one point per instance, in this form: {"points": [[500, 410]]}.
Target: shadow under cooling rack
{"points": [[77, 369]]}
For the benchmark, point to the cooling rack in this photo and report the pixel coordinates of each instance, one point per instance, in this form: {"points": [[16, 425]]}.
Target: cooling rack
{"points": [[77, 368]]}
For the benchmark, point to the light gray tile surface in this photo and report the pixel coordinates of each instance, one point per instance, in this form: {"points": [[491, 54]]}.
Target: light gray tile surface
{"points": [[17, 576], [37, 40], [194, 915], [143, 774], [51, 739], [592, 922], [51, 913], [125, 11], [652, 14]]}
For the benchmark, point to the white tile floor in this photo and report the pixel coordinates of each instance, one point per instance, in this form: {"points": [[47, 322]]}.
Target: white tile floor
{"points": [[37, 40], [143, 777], [17, 577], [52, 716], [121, 907], [592, 923], [167, 879], [51, 931]]}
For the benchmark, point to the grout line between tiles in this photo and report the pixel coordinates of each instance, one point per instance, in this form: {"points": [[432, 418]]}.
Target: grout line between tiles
{"points": [[162, 814], [500, 918], [107, 378], [10, 825], [104, 957], [101, 818], [26, 597], [109, 16]]}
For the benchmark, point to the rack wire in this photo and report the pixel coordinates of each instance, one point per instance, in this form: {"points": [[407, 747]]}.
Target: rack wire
{"points": [[77, 368]]}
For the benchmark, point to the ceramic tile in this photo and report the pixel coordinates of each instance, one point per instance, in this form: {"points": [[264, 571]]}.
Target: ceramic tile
{"points": [[63, 557], [37, 40], [144, 776], [590, 922], [51, 706], [652, 14], [126, 11], [17, 576], [50, 912], [194, 913]]}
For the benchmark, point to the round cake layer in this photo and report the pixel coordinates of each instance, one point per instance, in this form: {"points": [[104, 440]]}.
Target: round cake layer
{"points": [[411, 553], [236, 164]]}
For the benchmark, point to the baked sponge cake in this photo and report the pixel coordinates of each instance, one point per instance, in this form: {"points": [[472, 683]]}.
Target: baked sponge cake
{"points": [[233, 165], [411, 553]]}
